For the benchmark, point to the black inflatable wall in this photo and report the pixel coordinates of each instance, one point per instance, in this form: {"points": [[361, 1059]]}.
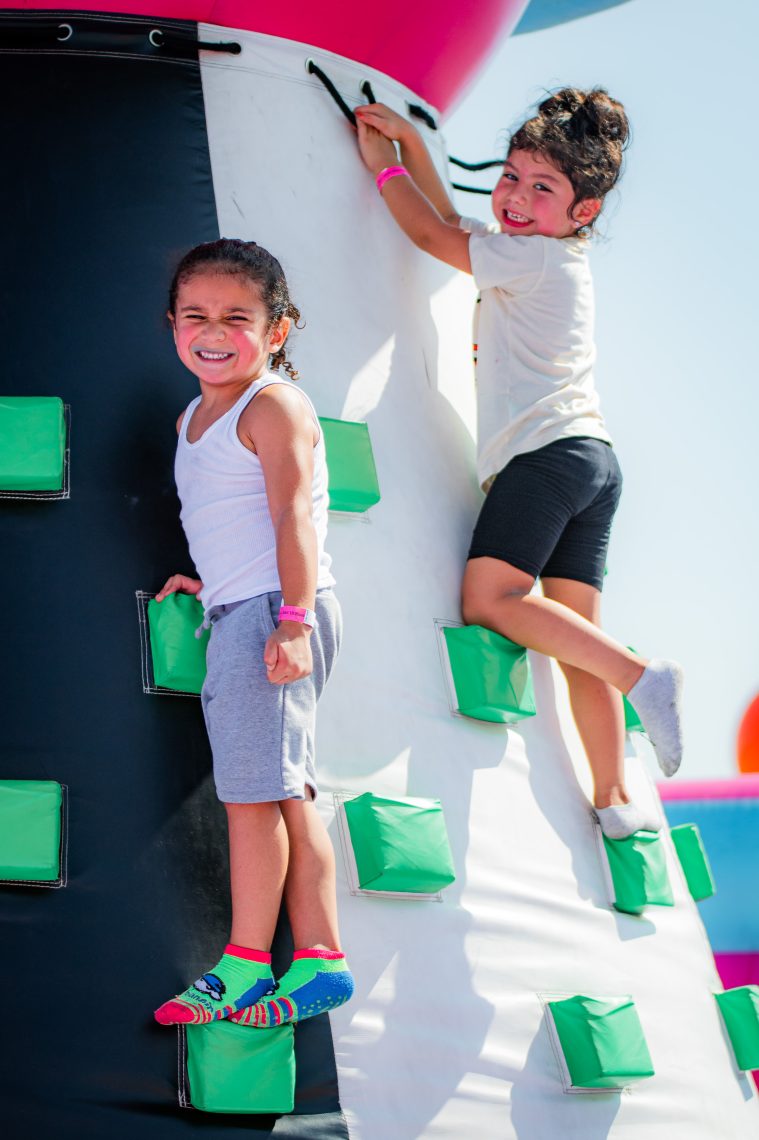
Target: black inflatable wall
{"points": [[106, 181]]}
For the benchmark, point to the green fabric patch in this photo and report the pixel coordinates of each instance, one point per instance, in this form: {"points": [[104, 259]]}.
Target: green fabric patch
{"points": [[491, 675], [400, 845], [639, 872], [179, 657], [32, 443], [353, 484], [740, 1012], [693, 860], [232, 1068], [602, 1041], [633, 723], [30, 830]]}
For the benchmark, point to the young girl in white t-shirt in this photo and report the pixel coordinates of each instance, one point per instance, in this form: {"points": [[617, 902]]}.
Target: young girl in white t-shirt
{"points": [[545, 458]]}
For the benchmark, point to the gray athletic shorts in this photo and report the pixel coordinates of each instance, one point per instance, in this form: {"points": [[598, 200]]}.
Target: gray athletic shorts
{"points": [[262, 735]]}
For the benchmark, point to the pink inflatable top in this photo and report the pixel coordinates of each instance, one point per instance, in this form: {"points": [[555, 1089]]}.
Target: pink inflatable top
{"points": [[737, 788], [432, 46]]}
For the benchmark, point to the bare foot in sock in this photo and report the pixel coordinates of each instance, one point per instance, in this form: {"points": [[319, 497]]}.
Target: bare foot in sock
{"points": [[622, 820]]}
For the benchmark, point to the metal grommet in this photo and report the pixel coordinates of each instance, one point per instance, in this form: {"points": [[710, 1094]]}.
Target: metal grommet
{"points": [[156, 37], [68, 32]]}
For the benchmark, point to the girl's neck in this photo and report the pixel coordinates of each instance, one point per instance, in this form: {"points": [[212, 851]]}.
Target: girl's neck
{"points": [[225, 396]]}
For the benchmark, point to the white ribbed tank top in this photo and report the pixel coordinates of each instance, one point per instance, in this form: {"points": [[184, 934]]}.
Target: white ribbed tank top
{"points": [[225, 512]]}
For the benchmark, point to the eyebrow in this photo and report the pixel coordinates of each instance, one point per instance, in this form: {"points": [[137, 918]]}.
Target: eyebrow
{"points": [[541, 177], [199, 309]]}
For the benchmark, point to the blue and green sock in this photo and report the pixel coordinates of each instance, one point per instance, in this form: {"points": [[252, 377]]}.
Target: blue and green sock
{"points": [[317, 981], [241, 978]]}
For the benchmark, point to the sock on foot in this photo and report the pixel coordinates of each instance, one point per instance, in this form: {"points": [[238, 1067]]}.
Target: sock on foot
{"points": [[241, 978], [656, 697], [622, 820], [318, 980]]}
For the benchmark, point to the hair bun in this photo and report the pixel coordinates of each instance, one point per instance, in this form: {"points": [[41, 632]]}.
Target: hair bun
{"points": [[584, 114]]}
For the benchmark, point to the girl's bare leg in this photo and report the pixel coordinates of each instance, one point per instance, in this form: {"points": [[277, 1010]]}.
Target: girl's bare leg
{"points": [[497, 595], [319, 978], [258, 857], [596, 705], [310, 891]]}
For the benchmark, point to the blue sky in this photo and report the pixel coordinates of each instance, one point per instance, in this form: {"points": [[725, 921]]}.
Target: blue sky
{"points": [[675, 278]]}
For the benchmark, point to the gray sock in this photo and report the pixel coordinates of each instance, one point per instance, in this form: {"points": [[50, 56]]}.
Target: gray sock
{"points": [[656, 697], [622, 820]]}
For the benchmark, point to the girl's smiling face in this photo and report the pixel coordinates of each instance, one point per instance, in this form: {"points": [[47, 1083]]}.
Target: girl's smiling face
{"points": [[533, 197], [222, 329]]}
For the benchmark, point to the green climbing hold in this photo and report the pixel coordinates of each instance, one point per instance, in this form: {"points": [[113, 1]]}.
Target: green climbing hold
{"points": [[638, 872], [233, 1068], [491, 674], [32, 443], [633, 723], [694, 861], [353, 484], [400, 845], [30, 830], [740, 1012], [602, 1041], [179, 657]]}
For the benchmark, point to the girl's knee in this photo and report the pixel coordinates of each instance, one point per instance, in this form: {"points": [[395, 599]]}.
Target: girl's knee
{"points": [[482, 609]]}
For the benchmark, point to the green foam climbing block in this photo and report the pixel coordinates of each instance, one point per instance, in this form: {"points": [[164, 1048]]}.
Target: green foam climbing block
{"points": [[233, 1068], [602, 1041], [639, 872], [179, 657], [491, 675], [32, 443], [740, 1012], [633, 723], [353, 484], [30, 830], [694, 861], [399, 844]]}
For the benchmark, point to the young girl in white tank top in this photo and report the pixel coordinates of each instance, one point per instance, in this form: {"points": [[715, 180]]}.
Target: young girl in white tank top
{"points": [[252, 479]]}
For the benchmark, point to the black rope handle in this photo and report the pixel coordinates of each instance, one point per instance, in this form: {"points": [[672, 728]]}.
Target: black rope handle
{"points": [[475, 165], [231, 47], [312, 69], [414, 109], [470, 189], [420, 113]]}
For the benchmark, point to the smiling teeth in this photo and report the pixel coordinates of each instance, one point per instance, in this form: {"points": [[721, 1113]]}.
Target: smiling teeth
{"points": [[213, 355], [516, 217]]}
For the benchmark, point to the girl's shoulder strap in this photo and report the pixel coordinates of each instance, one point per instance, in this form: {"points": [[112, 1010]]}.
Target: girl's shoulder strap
{"points": [[186, 417]]}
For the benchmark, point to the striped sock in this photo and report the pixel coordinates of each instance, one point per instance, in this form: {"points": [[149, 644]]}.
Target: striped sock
{"points": [[241, 978], [318, 980]]}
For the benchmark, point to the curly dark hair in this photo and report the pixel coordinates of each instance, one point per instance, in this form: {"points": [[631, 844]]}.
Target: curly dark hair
{"points": [[254, 263], [584, 134]]}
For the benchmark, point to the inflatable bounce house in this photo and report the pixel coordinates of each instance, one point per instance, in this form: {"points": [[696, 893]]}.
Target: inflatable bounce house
{"points": [[517, 976]]}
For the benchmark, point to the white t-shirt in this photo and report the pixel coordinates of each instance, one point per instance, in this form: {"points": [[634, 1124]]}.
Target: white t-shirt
{"points": [[534, 348]]}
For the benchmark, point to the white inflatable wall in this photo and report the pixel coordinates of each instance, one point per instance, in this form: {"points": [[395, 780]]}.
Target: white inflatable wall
{"points": [[446, 1035]]}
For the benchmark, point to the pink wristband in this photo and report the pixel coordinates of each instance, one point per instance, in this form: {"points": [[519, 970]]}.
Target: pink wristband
{"points": [[297, 613], [390, 172]]}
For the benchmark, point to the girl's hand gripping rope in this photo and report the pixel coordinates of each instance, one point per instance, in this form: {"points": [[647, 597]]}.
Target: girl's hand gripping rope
{"points": [[390, 124], [377, 151]]}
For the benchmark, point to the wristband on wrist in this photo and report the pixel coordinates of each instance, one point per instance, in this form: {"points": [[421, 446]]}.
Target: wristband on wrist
{"points": [[390, 172], [297, 613]]}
